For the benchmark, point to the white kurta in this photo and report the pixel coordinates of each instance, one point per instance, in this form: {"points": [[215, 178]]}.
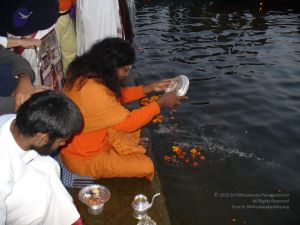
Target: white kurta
{"points": [[30, 188], [96, 20], [3, 41]]}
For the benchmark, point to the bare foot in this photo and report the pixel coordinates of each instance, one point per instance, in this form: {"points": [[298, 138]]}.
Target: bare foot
{"points": [[144, 141]]}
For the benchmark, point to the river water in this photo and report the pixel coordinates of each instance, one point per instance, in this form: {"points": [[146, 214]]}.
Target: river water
{"points": [[243, 108]]}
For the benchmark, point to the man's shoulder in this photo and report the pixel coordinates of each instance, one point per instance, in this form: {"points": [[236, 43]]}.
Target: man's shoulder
{"points": [[6, 119]]}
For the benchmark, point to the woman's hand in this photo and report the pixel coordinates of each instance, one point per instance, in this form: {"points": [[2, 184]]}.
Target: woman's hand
{"points": [[170, 100], [157, 86]]}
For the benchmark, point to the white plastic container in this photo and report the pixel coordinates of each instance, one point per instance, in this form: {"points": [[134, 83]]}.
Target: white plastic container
{"points": [[179, 84]]}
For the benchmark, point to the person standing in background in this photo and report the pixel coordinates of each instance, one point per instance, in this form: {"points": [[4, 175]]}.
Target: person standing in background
{"points": [[99, 19], [66, 34]]}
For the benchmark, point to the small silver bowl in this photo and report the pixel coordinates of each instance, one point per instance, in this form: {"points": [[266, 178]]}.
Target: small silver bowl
{"points": [[95, 209], [94, 196]]}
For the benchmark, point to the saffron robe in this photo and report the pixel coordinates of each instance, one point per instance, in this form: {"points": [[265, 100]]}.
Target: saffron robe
{"points": [[108, 145]]}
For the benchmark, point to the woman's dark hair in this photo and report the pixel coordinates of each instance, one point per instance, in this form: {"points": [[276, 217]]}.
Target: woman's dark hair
{"points": [[51, 113], [101, 63]]}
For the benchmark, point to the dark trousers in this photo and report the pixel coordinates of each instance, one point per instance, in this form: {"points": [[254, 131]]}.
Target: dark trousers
{"points": [[7, 81]]}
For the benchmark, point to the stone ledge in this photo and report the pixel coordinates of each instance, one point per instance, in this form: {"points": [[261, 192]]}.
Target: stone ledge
{"points": [[118, 210]]}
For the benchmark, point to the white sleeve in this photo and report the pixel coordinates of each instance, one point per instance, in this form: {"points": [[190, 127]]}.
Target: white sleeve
{"points": [[6, 184], [3, 41], [6, 170]]}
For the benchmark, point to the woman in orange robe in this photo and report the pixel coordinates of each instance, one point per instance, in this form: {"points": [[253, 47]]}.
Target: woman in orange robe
{"points": [[108, 145]]}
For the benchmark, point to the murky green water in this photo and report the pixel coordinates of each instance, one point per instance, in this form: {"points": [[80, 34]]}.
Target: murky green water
{"points": [[243, 108]]}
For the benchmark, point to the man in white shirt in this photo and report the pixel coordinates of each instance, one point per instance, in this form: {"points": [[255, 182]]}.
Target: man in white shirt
{"points": [[30, 188]]}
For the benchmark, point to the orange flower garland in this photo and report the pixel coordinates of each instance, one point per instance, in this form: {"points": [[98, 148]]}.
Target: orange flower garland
{"points": [[146, 101]]}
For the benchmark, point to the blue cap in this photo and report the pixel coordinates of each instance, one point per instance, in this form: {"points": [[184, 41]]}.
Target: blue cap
{"points": [[24, 17]]}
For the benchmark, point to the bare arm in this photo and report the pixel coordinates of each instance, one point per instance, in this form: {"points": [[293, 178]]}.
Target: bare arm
{"points": [[23, 42], [157, 86]]}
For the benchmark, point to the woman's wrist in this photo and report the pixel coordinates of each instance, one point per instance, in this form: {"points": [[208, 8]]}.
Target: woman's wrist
{"points": [[148, 88]]}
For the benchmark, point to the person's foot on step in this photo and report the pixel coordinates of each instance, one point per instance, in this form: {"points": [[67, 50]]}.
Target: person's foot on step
{"points": [[144, 141]]}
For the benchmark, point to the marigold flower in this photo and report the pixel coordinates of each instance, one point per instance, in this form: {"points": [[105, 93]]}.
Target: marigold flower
{"points": [[175, 148], [195, 164], [181, 157], [184, 153], [158, 119], [193, 151], [167, 158], [187, 161]]}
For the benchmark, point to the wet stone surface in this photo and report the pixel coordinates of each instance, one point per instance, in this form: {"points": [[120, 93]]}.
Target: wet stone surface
{"points": [[118, 210]]}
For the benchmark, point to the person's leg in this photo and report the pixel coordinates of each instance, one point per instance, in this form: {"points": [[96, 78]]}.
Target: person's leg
{"points": [[67, 39], [80, 30], [109, 164], [95, 20], [7, 82]]}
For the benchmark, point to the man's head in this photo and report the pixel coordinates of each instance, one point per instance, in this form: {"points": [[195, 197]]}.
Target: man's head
{"points": [[48, 119]]}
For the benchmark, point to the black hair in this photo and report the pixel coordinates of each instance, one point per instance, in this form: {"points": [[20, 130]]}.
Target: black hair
{"points": [[101, 63], [49, 112]]}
